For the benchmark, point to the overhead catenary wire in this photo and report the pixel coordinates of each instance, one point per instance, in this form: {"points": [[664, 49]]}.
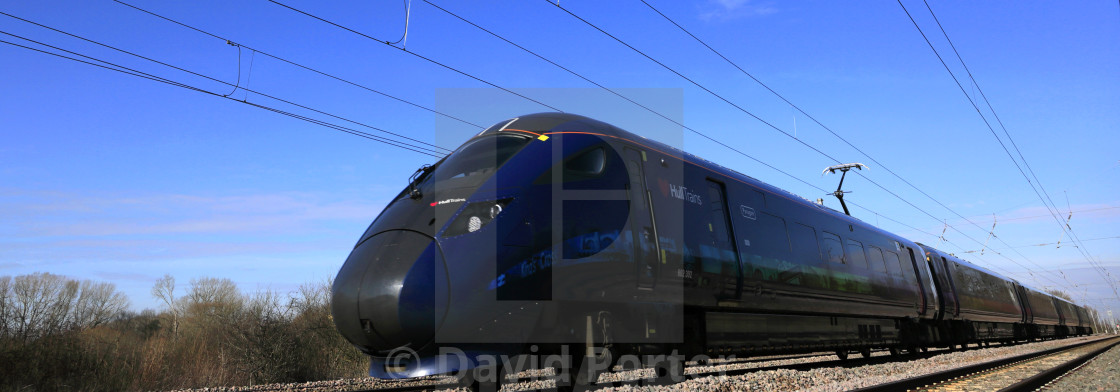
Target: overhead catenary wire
{"points": [[1052, 243], [1072, 233], [1103, 272], [266, 108], [597, 84], [689, 128], [1005, 219], [305, 67], [768, 124], [612, 91], [992, 109], [532, 100], [982, 117], [434, 151], [127, 70], [489, 83], [722, 144], [822, 125], [642, 106], [701, 134], [417, 55], [880, 215]]}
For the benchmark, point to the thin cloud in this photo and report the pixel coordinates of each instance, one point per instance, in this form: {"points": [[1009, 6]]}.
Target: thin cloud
{"points": [[53, 214], [40, 229], [725, 10], [1038, 213]]}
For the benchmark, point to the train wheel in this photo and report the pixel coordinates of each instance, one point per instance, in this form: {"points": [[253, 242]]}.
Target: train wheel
{"points": [[842, 354], [865, 352]]}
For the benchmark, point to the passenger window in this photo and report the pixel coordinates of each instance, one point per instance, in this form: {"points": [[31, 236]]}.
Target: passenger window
{"points": [[855, 254], [875, 259], [893, 262], [831, 248], [805, 248], [589, 163], [775, 240]]}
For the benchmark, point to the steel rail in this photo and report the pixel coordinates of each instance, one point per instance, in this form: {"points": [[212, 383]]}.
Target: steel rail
{"points": [[971, 370]]}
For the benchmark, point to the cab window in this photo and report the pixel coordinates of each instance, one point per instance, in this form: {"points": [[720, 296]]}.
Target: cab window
{"points": [[475, 161]]}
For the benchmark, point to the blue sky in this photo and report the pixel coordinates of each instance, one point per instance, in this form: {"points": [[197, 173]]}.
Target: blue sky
{"points": [[111, 177]]}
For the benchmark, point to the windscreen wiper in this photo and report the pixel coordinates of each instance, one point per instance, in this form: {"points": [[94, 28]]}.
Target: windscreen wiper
{"points": [[419, 175]]}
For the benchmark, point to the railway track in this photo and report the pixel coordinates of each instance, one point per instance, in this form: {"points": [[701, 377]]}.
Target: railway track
{"points": [[643, 377], [533, 380], [549, 379], [1026, 372]]}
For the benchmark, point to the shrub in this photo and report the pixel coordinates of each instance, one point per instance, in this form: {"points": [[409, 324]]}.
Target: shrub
{"points": [[61, 334]]}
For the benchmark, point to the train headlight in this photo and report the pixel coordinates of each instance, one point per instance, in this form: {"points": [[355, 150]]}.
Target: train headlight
{"points": [[475, 216]]}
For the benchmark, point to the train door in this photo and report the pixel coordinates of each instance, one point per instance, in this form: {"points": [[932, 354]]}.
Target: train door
{"points": [[642, 222], [720, 253], [952, 287], [941, 286], [1021, 295], [921, 286]]}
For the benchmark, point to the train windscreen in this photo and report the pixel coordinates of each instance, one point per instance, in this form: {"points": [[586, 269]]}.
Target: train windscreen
{"points": [[474, 162]]}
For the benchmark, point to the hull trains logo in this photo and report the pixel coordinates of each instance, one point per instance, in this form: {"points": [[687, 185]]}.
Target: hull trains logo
{"points": [[678, 191], [448, 201]]}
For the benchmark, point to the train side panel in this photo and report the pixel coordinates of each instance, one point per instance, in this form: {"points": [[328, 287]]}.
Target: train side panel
{"points": [[766, 269]]}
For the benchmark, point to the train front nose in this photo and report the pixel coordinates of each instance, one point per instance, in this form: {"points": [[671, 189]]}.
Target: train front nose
{"points": [[391, 292]]}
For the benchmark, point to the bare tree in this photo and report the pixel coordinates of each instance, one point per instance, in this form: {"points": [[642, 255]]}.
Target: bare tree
{"points": [[97, 303], [44, 304], [164, 290], [264, 340], [212, 300], [35, 299], [6, 315]]}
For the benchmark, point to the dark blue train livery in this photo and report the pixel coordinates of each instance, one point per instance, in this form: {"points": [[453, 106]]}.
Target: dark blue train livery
{"points": [[555, 233]]}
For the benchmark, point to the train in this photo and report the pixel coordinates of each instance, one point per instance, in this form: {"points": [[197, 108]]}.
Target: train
{"points": [[557, 234]]}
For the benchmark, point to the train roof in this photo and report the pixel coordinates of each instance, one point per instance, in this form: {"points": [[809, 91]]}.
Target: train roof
{"points": [[970, 264], [548, 122], [553, 122]]}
